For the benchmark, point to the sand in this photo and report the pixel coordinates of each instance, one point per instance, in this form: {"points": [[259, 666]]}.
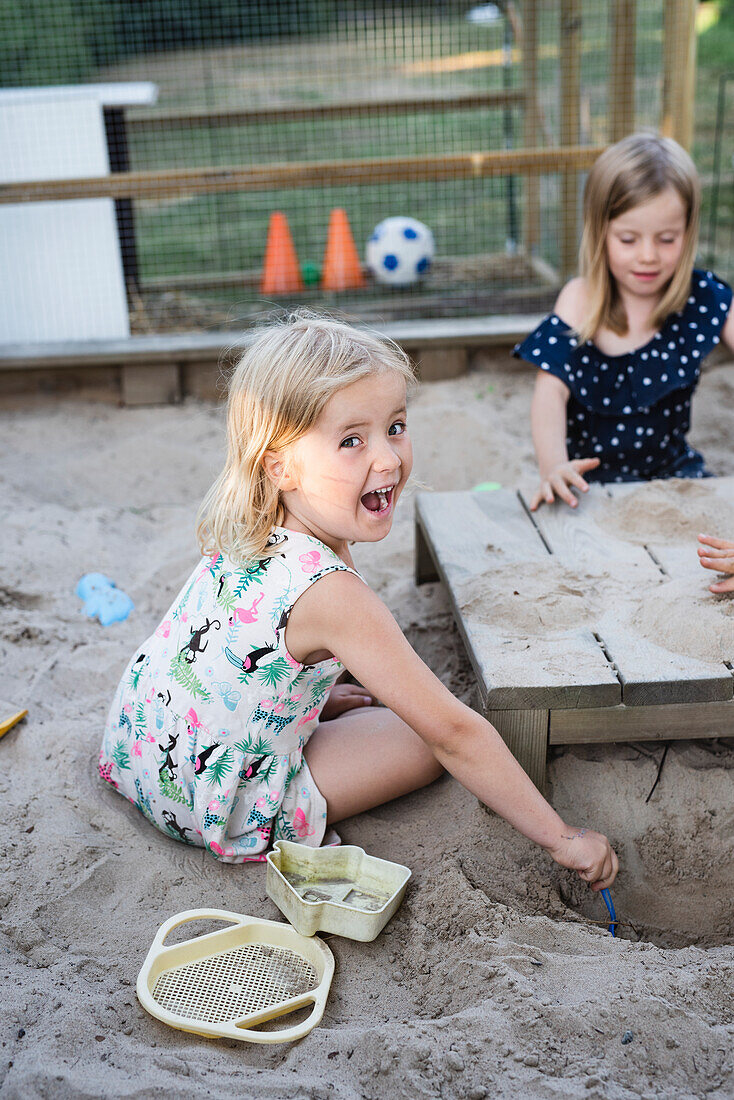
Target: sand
{"points": [[492, 979]]}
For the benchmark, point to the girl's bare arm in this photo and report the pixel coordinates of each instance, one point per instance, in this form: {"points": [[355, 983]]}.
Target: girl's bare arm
{"points": [[548, 423], [346, 618]]}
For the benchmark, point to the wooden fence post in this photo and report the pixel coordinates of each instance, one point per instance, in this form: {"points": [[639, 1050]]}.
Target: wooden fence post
{"points": [[570, 60], [622, 69], [531, 122], [679, 70]]}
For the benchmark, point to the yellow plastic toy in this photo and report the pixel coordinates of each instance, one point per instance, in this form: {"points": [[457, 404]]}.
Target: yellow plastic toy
{"points": [[10, 713], [341, 889], [225, 983]]}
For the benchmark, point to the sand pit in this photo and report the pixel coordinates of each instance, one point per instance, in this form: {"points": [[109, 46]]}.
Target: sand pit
{"points": [[492, 979]]}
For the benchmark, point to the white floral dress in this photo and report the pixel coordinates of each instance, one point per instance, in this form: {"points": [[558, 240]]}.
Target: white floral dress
{"points": [[206, 731]]}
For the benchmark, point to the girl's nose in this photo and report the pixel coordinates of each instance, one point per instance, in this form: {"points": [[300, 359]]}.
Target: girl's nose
{"points": [[648, 250], [386, 458]]}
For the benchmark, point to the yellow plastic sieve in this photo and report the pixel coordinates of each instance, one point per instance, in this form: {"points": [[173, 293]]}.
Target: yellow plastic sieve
{"points": [[223, 984]]}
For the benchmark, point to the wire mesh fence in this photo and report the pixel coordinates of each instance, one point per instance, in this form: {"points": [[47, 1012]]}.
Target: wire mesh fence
{"points": [[176, 128]]}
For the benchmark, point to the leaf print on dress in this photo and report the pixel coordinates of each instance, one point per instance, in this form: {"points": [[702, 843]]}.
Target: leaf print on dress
{"points": [[271, 675], [321, 687], [217, 771], [121, 756], [255, 746], [225, 596], [292, 772], [173, 791], [184, 675]]}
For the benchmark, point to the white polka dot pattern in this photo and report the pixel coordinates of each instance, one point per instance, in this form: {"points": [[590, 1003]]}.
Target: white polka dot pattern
{"points": [[650, 387]]}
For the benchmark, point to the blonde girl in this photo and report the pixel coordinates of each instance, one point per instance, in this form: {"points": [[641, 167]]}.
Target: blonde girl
{"points": [[229, 729], [620, 356]]}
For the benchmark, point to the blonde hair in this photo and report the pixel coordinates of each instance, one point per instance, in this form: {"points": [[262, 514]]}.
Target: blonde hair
{"points": [[276, 393], [631, 172]]}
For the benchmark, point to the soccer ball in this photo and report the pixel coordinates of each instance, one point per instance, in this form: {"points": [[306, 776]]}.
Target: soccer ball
{"points": [[400, 251]]}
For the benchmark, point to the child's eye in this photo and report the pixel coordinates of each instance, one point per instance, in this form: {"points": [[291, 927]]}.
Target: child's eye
{"points": [[398, 428], [350, 441]]}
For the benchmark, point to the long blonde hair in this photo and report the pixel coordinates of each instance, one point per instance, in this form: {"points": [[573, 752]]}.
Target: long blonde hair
{"points": [[631, 172], [276, 393]]}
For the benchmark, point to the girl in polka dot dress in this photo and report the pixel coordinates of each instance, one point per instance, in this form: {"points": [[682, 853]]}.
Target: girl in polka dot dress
{"points": [[620, 357], [229, 729]]}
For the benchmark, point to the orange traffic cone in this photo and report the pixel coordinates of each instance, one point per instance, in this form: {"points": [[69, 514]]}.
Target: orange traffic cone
{"points": [[281, 270], [341, 268]]}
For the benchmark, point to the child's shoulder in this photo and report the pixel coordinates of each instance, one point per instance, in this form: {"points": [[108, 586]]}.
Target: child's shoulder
{"points": [[708, 289], [571, 302]]}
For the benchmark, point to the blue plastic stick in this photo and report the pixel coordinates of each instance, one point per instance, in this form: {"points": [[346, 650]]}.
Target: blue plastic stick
{"points": [[610, 906]]}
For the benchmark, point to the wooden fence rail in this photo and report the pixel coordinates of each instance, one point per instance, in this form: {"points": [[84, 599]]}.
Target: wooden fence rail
{"points": [[269, 177], [234, 116]]}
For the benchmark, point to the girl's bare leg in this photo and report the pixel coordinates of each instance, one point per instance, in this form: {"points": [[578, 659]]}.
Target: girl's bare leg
{"points": [[365, 757]]}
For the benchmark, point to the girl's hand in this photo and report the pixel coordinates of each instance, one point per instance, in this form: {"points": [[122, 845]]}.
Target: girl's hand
{"points": [[344, 697], [559, 478], [717, 554], [589, 854]]}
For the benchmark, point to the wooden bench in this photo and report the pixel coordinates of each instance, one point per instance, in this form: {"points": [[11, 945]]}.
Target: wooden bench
{"points": [[565, 682]]}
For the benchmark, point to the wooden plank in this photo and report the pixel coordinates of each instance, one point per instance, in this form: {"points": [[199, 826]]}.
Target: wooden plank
{"points": [[151, 384], [570, 65], [473, 536], [622, 69], [169, 120], [525, 732], [197, 181], [652, 675], [566, 669], [656, 723], [580, 541], [472, 532]]}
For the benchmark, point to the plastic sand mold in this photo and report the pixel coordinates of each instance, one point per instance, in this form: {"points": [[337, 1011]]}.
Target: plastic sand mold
{"points": [[340, 889], [103, 600], [225, 983]]}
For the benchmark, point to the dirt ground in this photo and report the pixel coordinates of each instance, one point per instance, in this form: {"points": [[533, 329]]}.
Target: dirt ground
{"points": [[492, 980]]}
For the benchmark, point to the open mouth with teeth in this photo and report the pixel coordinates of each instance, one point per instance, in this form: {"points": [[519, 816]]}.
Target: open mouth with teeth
{"points": [[379, 500]]}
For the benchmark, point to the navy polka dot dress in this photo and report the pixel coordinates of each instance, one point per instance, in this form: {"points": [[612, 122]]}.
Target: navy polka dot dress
{"points": [[633, 411]]}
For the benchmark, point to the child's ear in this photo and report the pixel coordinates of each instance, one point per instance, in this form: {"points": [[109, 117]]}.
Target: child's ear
{"points": [[276, 468]]}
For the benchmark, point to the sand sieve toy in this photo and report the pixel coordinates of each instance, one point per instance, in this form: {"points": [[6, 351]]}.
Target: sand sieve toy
{"points": [[225, 983]]}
